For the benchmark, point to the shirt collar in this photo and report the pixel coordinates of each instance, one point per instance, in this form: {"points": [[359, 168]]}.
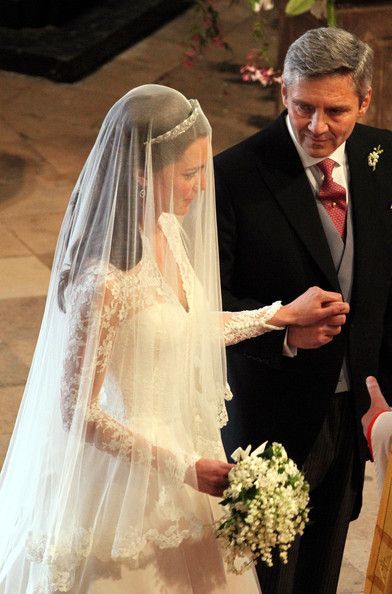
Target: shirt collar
{"points": [[339, 155]]}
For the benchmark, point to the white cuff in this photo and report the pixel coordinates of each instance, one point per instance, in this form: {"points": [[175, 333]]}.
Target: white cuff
{"points": [[288, 351]]}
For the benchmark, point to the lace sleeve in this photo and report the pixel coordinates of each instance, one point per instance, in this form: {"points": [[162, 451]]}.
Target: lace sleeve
{"points": [[246, 324], [101, 315], [92, 312]]}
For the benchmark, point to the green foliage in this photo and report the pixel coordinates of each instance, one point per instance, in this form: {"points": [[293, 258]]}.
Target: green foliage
{"points": [[296, 7]]}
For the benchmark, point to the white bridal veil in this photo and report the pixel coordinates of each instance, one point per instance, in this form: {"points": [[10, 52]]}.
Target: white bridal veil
{"points": [[126, 388]]}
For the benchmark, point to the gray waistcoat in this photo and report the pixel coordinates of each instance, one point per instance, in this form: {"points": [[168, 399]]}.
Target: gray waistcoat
{"points": [[343, 258]]}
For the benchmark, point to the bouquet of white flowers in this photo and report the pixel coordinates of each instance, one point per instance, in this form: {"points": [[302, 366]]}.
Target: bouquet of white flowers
{"points": [[265, 506]]}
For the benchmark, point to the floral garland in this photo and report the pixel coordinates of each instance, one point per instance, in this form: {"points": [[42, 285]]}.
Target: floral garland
{"points": [[207, 30]]}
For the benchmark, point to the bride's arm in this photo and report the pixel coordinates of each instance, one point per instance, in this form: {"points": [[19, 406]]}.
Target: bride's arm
{"points": [[89, 315], [241, 325], [311, 307]]}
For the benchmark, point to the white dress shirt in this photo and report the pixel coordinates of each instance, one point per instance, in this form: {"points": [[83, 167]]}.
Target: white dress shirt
{"points": [[340, 174]]}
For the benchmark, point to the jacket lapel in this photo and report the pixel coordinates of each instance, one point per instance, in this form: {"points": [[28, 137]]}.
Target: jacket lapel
{"points": [[283, 172], [369, 244]]}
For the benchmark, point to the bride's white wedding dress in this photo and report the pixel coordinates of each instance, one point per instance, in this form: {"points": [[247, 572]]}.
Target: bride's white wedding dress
{"points": [[166, 543]]}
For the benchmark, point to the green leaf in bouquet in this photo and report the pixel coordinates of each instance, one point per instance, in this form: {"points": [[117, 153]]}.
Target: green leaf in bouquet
{"points": [[227, 523], [296, 7], [226, 501], [246, 494], [268, 453]]}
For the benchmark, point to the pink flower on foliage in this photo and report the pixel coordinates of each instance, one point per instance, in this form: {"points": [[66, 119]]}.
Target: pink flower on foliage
{"points": [[196, 40], [265, 76], [218, 41], [253, 56], [189, 57]]}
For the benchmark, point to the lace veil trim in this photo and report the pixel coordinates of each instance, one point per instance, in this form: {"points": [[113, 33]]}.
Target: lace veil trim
{"points": [[60, 563]]}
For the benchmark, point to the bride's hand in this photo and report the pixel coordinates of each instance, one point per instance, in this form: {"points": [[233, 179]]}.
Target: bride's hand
{"points": [[310, 308], [212, 476]]}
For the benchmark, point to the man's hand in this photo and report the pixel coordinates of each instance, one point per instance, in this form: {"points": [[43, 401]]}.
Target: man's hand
{"points": [[310, 308], [315, 335], [212, 476], [378, 403]]}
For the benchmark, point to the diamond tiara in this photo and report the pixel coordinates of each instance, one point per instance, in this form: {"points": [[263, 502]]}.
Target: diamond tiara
{"points": [[181, 127]]}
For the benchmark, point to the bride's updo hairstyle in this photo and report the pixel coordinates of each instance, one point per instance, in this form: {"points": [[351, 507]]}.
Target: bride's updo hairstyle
{"points": [[167, 122], [145, 131]]}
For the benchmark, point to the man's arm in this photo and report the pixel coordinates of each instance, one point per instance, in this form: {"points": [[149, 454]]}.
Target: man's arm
{"points": [[385, 366], [311, 336]]}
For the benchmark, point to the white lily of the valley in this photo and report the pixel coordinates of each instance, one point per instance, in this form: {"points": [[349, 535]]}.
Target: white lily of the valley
{"points": [[241, 454]]}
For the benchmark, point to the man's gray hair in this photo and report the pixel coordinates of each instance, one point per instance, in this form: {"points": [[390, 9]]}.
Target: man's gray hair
{"points": [[330, 51]]}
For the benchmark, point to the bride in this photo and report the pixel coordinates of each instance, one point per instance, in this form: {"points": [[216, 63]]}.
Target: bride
{"points": [[108, 482]]}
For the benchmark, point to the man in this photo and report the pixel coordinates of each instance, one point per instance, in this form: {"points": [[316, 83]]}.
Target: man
{"points": [[307, 202]]}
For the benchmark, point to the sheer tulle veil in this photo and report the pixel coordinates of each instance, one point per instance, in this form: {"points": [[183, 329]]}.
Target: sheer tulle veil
{"points": [[126, 389]]}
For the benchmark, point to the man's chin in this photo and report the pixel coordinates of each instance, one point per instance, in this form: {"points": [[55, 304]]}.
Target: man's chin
{"points": [[318, 149]]}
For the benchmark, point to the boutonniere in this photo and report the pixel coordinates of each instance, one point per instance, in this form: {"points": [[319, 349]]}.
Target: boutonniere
{"points": [[374, 156]]}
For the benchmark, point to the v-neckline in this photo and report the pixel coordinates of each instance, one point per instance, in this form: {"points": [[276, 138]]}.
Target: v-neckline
{"points": [[169, 226]]}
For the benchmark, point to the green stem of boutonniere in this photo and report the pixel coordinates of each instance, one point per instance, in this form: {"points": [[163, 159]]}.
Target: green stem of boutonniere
{"points": [[331, 13]]}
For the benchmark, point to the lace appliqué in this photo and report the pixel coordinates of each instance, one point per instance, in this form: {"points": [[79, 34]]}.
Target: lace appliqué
{"points": [[61, 561], [247, 324], [129, 546], [119, 442], [101, 300]]}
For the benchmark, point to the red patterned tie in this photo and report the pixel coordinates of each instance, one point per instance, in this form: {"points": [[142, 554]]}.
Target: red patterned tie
{"points": [[333, 196]]}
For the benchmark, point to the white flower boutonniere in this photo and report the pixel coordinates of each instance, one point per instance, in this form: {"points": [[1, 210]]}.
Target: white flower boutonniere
{"points": [[374, 156]]}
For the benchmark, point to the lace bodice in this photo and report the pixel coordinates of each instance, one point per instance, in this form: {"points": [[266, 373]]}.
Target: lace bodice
{"points": [[140, 300]]}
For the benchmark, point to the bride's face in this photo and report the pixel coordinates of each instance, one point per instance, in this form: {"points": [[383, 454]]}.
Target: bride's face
{"points": [[178, 184]]}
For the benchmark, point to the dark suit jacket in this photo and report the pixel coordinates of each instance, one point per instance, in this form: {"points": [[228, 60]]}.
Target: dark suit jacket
{"points": [[273, 246]]}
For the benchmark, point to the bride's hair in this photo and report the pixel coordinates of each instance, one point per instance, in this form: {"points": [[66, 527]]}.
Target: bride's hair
{"points": [[141, 125]]}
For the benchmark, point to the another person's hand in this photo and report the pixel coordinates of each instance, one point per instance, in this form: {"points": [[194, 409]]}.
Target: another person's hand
{"points": [[310, 308], [378, 403], [212, 476], [315, 335]]}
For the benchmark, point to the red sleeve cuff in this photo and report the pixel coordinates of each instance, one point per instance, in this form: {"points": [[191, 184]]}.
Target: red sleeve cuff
{"points": [[369, 431]]}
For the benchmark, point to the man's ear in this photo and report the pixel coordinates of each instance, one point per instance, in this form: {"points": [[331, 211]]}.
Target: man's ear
{"points": [[365, 103], [283, 90]]}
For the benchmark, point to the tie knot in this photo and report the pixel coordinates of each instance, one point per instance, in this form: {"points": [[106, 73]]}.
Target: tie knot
{"points": [[326, 167]]}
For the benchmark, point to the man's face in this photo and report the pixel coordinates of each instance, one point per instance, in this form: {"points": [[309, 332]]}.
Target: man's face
{"points": [[323, 111]]}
